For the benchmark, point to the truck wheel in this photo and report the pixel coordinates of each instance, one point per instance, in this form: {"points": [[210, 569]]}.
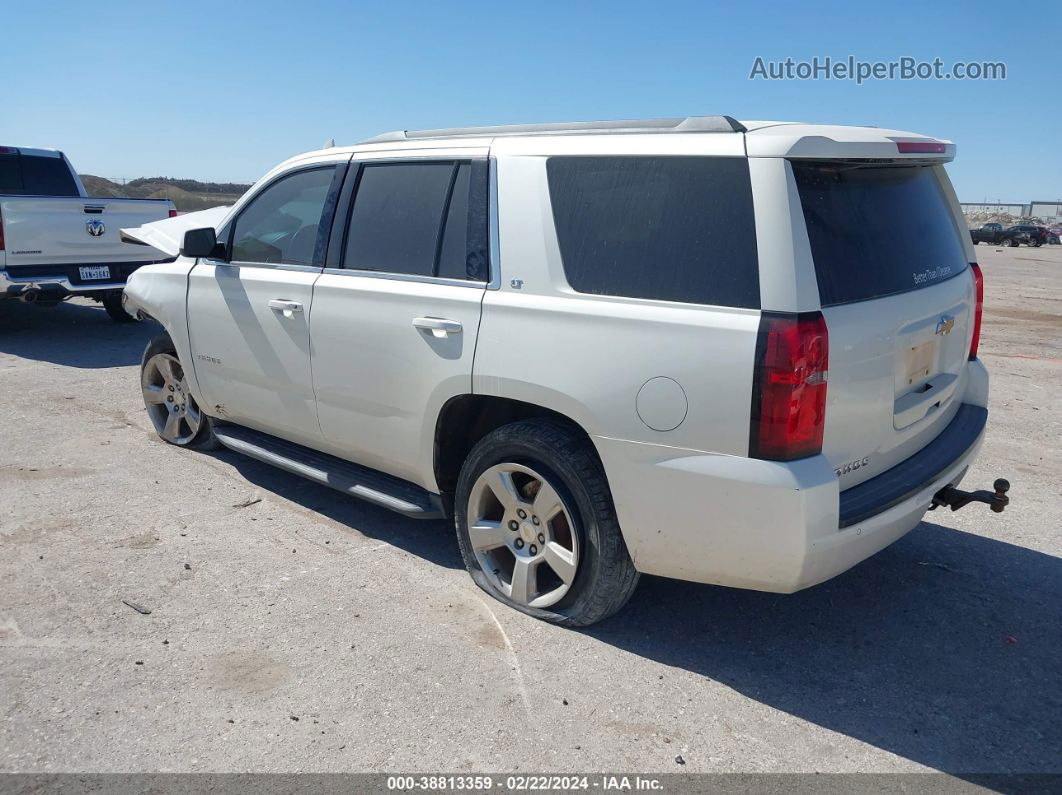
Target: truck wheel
{"points": [[537, 527], [170, 405], [112, 303]]}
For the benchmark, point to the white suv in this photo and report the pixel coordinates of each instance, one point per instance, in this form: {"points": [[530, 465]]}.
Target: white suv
{"points": [[602, 348]]}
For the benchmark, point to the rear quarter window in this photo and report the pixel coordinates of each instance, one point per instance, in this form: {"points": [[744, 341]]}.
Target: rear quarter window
{"points": [[664, 228], [877, 230]]}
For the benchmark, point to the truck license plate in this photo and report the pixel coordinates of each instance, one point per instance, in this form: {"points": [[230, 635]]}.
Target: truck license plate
{"points": [[95, 272]]}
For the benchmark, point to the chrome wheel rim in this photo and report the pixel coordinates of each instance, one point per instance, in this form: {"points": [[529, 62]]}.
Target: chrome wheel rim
{"points": [[171, 407], [523, 535]]}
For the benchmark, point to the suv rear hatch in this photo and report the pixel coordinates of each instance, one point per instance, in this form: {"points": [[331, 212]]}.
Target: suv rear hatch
{"points": [[899, 302]]}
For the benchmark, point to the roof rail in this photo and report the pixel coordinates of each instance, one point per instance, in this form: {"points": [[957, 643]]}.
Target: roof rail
{"points": [[699, 124]]}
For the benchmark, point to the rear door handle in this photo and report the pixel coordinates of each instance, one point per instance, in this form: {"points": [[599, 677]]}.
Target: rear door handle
{"points": [[438, 326], [287, 308]]}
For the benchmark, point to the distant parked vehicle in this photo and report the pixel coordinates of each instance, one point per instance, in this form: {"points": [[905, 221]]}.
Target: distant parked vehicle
{"points": [[986, 233], [1054, 234], [59, 242], [1028, 234]]}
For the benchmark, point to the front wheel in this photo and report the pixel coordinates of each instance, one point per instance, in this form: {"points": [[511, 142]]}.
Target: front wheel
{"points": [[537, 527], [112, 303], [170, 405]]}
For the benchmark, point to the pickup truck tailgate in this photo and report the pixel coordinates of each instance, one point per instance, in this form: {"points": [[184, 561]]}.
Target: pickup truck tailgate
{"points": [[59, 230]]}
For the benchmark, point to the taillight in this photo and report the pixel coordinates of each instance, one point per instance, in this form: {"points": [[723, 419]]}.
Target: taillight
{"points": [[1, 230], [789, 386], [173, 213], [979, 289]]}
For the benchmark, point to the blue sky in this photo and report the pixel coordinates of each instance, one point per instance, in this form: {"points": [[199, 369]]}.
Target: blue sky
{"points": [[223, 91]]}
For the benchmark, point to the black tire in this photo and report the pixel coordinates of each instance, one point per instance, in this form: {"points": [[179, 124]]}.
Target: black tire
{"points": [[1034, 242], [112, 303], [204, 438], [605, 577]]}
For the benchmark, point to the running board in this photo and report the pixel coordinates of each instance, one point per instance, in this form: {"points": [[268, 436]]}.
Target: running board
{"points": [[357, 481]]}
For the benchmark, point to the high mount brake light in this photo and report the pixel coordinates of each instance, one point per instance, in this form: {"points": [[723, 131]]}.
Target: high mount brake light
{"points": [[979, 290], [789, 386], [920, 147]]}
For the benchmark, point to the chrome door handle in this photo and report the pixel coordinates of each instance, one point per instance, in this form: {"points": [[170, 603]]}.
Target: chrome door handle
{"points": [[288, 308], [438, 326]]}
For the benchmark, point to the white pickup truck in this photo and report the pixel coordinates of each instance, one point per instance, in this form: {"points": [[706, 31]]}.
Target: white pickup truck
{"points": [[56, 242]]}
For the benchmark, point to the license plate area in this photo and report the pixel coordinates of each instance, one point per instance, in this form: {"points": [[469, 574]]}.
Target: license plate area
{"points": [[921, 362], [94, 272]]}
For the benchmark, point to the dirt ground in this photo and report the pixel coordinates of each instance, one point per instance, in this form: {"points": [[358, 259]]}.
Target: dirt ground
{"points": [[292, 629]]}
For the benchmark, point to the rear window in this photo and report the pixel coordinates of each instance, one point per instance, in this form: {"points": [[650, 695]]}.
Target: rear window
{"points": [[665, 228], [33, 175], [877, 231]]}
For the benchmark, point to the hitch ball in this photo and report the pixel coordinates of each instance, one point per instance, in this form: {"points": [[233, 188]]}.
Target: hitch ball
{"points": [[1001, 500]]}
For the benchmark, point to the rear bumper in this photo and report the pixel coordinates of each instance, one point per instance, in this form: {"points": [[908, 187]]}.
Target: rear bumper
{"points": [[767, 525], [63, 280]]}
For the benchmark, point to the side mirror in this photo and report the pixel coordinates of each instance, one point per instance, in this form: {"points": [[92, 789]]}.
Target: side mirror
{"points": [[201, 243]]}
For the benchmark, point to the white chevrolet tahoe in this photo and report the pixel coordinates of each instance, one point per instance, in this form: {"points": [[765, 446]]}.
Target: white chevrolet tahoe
{"points": [[56, 242], [695, 348]]}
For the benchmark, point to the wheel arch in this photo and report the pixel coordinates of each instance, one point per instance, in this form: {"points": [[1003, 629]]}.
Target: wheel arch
{"points": [[465, 419], [160, 292]]}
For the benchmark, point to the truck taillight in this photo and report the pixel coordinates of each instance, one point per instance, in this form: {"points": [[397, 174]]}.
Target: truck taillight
{"points": [[979, 290], [1, 230], [173, 213], [789, 386]]}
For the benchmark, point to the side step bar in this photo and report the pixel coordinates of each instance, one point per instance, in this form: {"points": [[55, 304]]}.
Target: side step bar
{"points": [[357, 481]]}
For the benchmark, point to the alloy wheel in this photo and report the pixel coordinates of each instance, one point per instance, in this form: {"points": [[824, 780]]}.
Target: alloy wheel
{"points": [[523, 535], [170, 405]]}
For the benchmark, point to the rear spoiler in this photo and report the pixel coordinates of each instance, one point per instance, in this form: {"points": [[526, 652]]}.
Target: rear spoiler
{"points": [[167, 235], [823, 142]]}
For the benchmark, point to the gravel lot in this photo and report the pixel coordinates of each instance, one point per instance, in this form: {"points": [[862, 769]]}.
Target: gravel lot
{"points": [[293, 629]]}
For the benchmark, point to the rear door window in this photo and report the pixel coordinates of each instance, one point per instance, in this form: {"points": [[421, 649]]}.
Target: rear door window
{"points": [[877, 230], [664, 228], [423, 219]]}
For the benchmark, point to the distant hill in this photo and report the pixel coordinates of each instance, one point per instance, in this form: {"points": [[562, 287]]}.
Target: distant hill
{"points": [[188, 195]]}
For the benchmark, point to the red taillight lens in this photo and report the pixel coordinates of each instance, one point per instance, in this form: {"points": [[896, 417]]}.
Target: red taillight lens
{"points": [[789, 386], [173, 213], [920, 147], [979, 289]]}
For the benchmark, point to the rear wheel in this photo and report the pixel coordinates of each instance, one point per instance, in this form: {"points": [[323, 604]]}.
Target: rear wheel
{"points": [[170, 405], [112, 303], [537, 527]]}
